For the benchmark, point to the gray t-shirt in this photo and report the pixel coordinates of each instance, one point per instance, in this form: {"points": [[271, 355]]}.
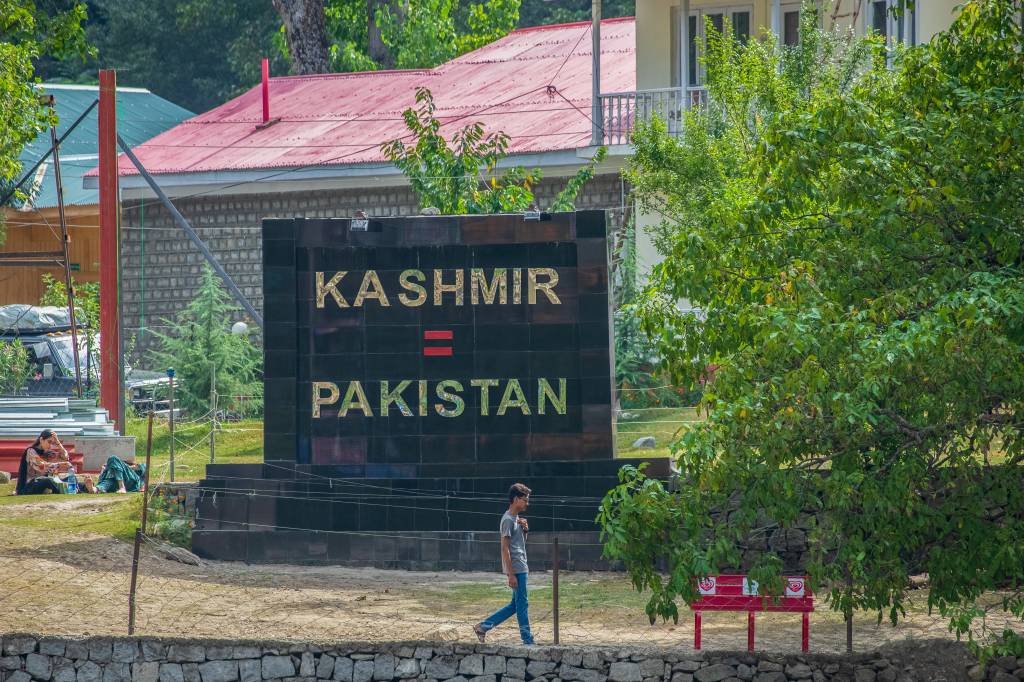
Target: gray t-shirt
{"points": [[510, 528]]}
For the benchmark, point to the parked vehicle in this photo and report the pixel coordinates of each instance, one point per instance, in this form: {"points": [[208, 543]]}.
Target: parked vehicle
{"points": [[45, 332]]}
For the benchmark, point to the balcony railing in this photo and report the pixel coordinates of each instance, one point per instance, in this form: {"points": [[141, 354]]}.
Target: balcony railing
{"points": [[620, 111]]}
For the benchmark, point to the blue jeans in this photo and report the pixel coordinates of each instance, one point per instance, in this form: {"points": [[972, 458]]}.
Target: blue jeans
{"points": [[519, 606]]}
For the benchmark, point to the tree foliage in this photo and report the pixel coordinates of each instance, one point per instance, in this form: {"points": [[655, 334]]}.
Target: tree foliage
{"points": [[195, 53], [200, 343], [14, 367], [462, 177], [364, 35], [852, 235], [543, 12], [28, 32]]}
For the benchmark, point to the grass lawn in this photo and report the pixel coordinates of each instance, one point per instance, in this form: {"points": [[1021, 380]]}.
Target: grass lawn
{"points": [[236, 443], [664, 423], [113, 515], [242, 442]]}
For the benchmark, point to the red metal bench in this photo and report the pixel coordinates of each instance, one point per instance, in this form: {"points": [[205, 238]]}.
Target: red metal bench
{"points": [[737, 593], [11, 451]]}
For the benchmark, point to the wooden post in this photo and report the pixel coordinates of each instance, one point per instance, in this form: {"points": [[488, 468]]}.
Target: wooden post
{"points": [[696, 630], [213, 411], [140, 531], [750, 630], [65, 241], [554, 588], [170, 418], [805, 633], [111, 364]]}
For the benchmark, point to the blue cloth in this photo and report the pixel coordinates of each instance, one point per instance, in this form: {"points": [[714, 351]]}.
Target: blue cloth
{"points": [[519, 606]]}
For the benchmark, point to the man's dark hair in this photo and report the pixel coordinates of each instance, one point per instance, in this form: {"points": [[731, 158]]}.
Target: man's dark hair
{"points": [[517, 490]]}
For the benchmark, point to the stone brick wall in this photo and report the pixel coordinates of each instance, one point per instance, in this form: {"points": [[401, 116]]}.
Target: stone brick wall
{"points": [[160, 266], [52, 659]]}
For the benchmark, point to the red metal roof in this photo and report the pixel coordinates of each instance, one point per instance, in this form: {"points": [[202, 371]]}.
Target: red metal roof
{"points": [[340, 119]]}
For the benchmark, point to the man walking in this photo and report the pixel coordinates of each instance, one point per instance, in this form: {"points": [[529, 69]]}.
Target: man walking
{"points": [[513, 529]]}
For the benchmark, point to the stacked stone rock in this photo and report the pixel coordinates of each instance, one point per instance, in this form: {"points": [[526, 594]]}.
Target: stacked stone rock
{"points": [[47, 659]]}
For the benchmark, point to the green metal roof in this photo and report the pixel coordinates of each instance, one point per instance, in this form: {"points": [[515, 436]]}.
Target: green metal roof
{"points": [[141, 115]]}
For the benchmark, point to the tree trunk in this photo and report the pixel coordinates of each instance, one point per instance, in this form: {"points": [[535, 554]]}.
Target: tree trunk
{"points": [[376, 49], [305, 29]]}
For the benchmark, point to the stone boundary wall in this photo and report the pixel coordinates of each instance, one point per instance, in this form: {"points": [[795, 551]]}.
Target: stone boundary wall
{"points": [[103, 659]]}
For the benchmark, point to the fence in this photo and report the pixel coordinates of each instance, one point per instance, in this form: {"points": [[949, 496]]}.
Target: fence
{"points": [[61, 572]]}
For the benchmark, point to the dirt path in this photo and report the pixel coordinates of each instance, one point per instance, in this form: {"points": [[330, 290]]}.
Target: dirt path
{"points": [[65, 581]]}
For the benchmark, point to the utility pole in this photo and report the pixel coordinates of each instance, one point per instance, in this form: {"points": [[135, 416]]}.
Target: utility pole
{"points": [[65, 242], [111, 357], [596, 117]]}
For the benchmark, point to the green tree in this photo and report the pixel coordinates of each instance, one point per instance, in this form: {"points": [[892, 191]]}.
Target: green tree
{"points": [[195, 53], [200, 344], [852, 235], [462, 177], [87, 299], [425, 33], [14, 367], [543, 12], [28, 32], [363, 35]]}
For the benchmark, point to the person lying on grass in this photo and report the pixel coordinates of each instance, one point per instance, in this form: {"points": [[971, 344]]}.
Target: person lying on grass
{"points": [[117, 476]]}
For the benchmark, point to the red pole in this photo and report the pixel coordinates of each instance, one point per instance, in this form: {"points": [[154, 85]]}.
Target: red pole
{"points": [[266, 90], [750, 630], [696, 630], [805, 633], [110, 243]]}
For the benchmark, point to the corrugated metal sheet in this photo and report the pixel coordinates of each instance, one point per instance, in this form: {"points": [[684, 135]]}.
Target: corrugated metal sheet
{"points": [[341, 119], [140, 116], [27, 417]]}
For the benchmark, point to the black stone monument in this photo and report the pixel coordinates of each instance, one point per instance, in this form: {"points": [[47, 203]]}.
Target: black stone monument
{"points": [[414, 369]]}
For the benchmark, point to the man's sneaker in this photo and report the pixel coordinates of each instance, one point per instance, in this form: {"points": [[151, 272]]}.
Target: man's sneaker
{"points": [[480, 632]]}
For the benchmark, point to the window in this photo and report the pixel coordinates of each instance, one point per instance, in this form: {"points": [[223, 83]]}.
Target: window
{"points": [[791, 24], [884, 20], [740, 19], [880, 17]]}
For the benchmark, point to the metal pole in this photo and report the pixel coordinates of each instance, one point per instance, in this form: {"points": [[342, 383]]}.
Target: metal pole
{"points": [[180, 220], [111, 363], [213, 411], [170, 418], [554, 588], [69, 288], [140, 531], [32, 171], [596, 124]]}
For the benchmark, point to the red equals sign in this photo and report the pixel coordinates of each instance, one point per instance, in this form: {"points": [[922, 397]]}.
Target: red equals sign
{"points": [[438, 335]]}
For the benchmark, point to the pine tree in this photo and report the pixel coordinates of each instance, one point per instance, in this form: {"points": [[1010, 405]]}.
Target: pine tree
{"points": [[200, 343]]}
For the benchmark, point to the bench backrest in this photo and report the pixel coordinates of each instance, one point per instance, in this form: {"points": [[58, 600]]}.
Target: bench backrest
{"points": [[738, 593]]}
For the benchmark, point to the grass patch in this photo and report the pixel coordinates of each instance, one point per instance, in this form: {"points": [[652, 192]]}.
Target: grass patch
{"points": [[593, 595], [116, 519], [664, 423], [236, 443]]}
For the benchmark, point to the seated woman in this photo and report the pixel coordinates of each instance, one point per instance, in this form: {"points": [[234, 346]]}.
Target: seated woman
{"points": [[40, 463], [118, 476]]}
